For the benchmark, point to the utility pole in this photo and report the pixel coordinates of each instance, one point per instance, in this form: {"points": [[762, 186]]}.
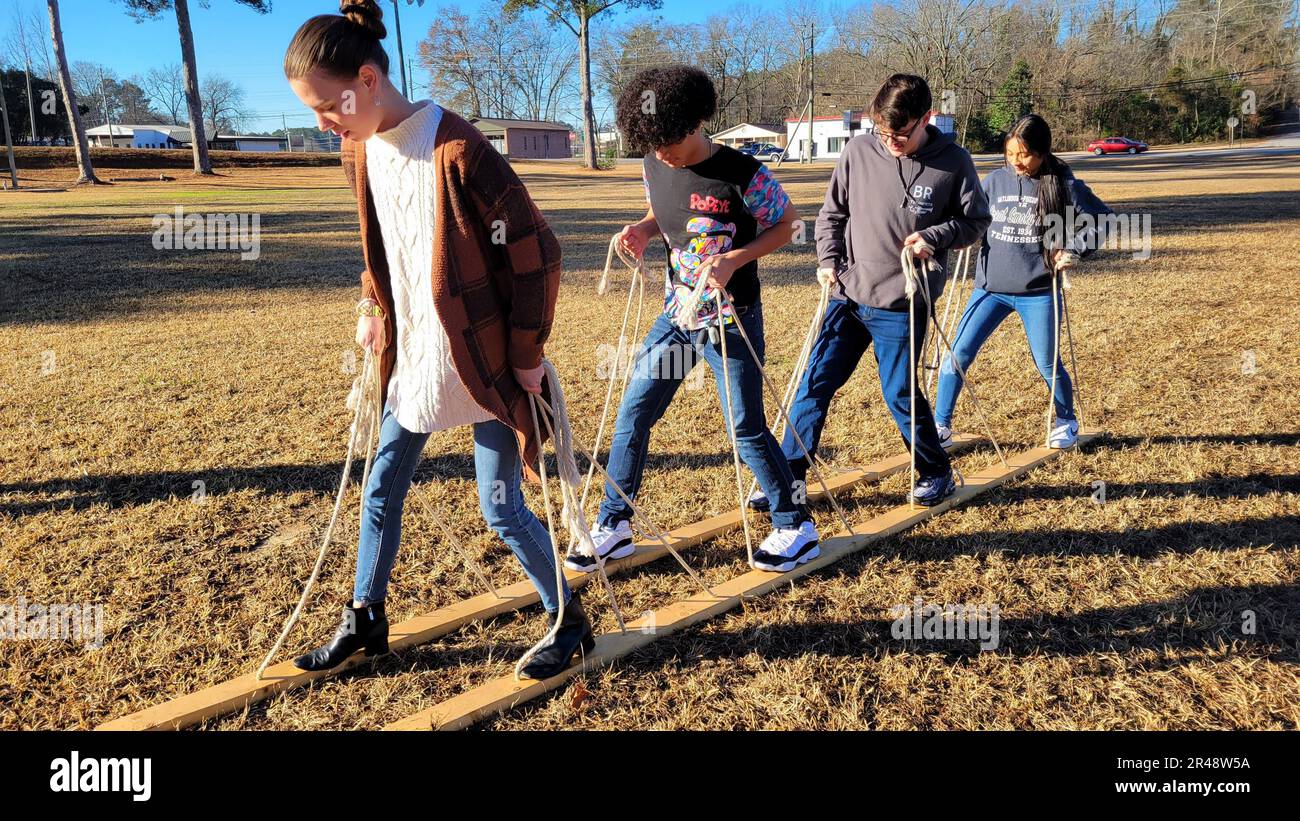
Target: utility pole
{"points": [[811, 87], [9, 142], [401, 58], [31, 108], [103, 99]]}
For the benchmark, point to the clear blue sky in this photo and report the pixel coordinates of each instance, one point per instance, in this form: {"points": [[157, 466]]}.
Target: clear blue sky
{"points": [[246, 47]]}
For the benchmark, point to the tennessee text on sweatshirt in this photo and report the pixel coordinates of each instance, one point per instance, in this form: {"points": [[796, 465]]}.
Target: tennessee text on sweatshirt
{"points": [[1011, 261]]}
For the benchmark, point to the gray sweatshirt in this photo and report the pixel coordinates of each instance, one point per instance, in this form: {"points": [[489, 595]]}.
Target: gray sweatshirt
{"points": [[876, 200]]}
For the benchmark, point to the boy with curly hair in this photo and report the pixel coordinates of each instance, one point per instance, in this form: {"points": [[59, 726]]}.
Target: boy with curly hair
{"points": [[717, 211]]}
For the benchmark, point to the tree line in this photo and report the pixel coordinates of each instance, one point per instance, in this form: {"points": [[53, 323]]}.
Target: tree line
{"points": [[1168, 71], [1164, 71]]}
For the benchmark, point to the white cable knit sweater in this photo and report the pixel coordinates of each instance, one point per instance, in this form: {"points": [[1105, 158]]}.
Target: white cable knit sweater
{"points": [[424, 392]]}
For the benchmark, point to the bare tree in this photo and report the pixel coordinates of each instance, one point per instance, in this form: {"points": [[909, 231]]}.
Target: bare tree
{"points": [[576, 16], [86, 170], [151, 9], [471, 60], [165, 87], [224, 103], [543, 70], [26, 42]]}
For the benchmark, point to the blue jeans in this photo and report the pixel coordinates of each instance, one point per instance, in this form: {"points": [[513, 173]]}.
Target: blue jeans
{"points": [[499, 471], [666, 357], [847, 331], [983, 314]]}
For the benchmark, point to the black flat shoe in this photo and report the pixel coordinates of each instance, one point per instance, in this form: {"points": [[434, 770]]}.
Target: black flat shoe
{"points": [[574, 633], [362, 627]]}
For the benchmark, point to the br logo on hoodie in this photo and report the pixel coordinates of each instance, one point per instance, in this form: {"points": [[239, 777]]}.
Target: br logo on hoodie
{"points": [[922, 200]]}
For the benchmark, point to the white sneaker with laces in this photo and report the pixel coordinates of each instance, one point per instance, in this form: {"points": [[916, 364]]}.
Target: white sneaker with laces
{"points": [[785, 549], [1064, 435], [945, 436], [611, 543]]}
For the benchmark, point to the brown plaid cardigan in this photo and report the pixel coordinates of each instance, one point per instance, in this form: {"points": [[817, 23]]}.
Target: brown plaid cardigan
{"points": [[495, 298]]}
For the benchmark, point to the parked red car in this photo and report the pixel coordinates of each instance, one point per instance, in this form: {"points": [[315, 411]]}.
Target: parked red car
{"points": [[1116, 145]]}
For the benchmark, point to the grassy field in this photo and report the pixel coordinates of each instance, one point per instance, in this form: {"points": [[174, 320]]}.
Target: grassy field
{"points": [[131, 374]]}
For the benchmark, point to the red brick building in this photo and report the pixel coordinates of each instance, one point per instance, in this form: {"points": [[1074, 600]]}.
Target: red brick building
{"points": [[526, 139]]}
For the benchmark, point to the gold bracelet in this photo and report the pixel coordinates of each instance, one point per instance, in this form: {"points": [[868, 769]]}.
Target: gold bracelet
{"points": [[368, 307]]}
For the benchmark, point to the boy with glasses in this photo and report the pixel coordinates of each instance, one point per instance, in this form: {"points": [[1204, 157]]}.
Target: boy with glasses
{"points": [[906, 184]]}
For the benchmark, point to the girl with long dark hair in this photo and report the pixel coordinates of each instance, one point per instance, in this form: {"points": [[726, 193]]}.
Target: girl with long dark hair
{"points": [[1034, 199]]}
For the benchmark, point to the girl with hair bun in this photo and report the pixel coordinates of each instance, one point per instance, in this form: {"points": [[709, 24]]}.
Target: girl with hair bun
{"points": [[456, 312]]}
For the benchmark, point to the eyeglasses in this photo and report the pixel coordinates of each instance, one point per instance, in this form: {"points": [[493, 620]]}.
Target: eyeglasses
{"points": [[897, 137]]}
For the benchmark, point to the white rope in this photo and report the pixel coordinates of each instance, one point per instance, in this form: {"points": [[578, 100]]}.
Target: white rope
{"points": [[728, 409], [1056, 352], [451, 538], [1059, 287], [555, 548], [726, 298], [625, 349], [364, 400], [800, 366], [1074, 363], [917, 277], [686, 315], [571, 516], [951, 311], [644, 520], [910, 286]]}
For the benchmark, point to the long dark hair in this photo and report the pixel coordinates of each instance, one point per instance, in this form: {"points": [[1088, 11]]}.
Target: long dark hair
{"points": [[1053, 175], [339, 44]]}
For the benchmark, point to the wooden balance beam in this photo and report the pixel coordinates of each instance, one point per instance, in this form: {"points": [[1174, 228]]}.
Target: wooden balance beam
{"points": [[505, 693], [237, 693]]}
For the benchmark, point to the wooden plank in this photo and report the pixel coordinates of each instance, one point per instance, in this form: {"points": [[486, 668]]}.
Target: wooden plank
{"points": [[502, 694], [237, 693]]}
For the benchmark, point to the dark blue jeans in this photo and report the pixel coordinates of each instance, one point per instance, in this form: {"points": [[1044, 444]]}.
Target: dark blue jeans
{"points": [[666, 357], [984, 313], [499, 470], [846, 333]]}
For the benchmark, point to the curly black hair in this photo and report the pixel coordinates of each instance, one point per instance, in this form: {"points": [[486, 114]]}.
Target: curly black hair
{"points": [[660, 106]]}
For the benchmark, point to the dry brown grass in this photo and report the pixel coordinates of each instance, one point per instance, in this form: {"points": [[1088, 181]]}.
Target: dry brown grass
{"points": [[175, 367]]}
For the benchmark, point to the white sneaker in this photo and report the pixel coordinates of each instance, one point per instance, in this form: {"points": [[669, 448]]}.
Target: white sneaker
{"points": [[945, 436], [786, 549], [611, 543], [1064, 435]]}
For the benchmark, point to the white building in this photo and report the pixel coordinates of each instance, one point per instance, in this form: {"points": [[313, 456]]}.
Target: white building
{"points": [[153, 135], [738, 135], [829, 134], [247, 142]]}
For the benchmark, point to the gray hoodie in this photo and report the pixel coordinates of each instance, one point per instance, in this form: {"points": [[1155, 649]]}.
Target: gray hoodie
{"points": [[876, 200], [1011, 261]]}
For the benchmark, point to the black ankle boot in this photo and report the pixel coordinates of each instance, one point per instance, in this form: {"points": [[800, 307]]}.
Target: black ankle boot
{"points": [[574, 632], [362, 627]]}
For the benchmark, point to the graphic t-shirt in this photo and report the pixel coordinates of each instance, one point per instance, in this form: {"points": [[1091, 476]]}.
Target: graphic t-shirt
{"points": [[717, 205]]}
